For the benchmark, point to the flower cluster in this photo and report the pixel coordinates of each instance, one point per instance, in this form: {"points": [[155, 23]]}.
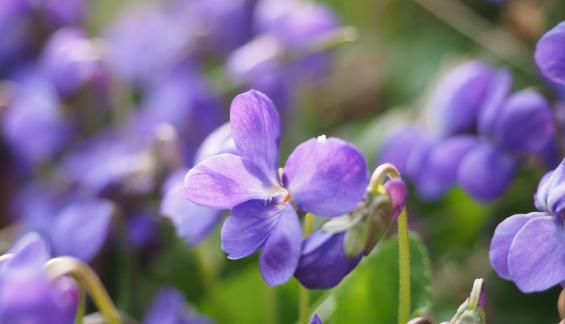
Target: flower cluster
{"points": [[481, 134], [323, 176]]}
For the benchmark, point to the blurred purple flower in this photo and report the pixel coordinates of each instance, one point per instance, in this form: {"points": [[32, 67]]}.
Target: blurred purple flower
{"points": [[70, 61], [74, 227], [134, 56], [185, 101], [285, 49], [521, 124], [169, 308], [461, 95], [212, 22], [550, 56], [327, 177], [194, 222], [35, 126], [315, 319], [26, 294], [529, 249]]}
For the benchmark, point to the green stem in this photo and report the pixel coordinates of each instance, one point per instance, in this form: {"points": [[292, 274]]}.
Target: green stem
{"points": [[208, 273], [304, 293], [403, 269], [86, 278], [81, 309]]}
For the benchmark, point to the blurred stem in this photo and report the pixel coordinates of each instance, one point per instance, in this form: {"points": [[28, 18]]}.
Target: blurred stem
{"points": [[81, 306], [86, 278], [403, 269], [208, 273], [304, 293]]}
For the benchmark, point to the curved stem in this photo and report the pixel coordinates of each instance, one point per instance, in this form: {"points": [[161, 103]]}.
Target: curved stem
{"points": [[304, 293], [86, 278], [403, 268], [79, 317], [378, 176]]}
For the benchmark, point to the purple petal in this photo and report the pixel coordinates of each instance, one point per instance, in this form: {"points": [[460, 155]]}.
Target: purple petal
{"points": [[327, 177], [281, 252], [502, 239], [524, 123], [536, 260], [399, 145], [444, 160], [485, 173], [81, 229], [193, 223], [427, 186], [30, 251], [459, 97], [256, 131], [323, 263], [226, 180], [495, 99], [541, 195], [218, 142], [550, 196], [398, 192], [315, 320], [550, 54], [251, 224], [169, 307]]}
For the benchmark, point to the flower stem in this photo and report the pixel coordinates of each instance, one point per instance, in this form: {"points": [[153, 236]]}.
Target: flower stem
{"points": [[79, 317], [304, 293], [87, 279], [403, 269]]}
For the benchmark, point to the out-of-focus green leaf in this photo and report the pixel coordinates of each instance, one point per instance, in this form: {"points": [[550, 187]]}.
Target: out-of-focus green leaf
{"points": [[370, 293]]}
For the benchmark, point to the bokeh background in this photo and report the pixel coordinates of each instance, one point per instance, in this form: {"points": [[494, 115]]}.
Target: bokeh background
{"points": [[368, 87]]}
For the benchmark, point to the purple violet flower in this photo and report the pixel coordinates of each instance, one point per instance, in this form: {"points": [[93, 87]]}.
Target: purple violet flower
{"points": [[26, 294], [169, 308], [315, 319], [529, 249], [70, 60], [550, 56], [194, 222], [327, 177], [461, 95]]}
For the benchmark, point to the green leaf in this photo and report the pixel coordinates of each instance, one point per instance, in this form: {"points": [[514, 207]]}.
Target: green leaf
{"points": [[370, 293]]}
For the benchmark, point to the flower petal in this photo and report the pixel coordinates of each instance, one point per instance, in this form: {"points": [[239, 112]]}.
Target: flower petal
{"points": [[224, 181], [460, 95], [502, 239], [81, 229], [327, 177], [315, 319], [496, 97], [536, 260], [444, 159], [485, 173], [247, 230], [282, 249], [255, 127], [193, 222], [550, 54], [398, 192], [399, 145], [29, 251], [324, 265], [524, 123], [554, 191], [219, 141]]}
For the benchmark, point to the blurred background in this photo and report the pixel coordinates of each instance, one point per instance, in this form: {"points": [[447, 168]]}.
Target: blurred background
{"points": [[105, 101]]}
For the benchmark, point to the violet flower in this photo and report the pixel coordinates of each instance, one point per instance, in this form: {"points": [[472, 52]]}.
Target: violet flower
{"points": [[74, 227], [325, 261], [26, 294], [169, 308], [529, 249], [549, 55], [323, 176], [461, 96], [35, 126], [70, 61], [193, 222]]}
